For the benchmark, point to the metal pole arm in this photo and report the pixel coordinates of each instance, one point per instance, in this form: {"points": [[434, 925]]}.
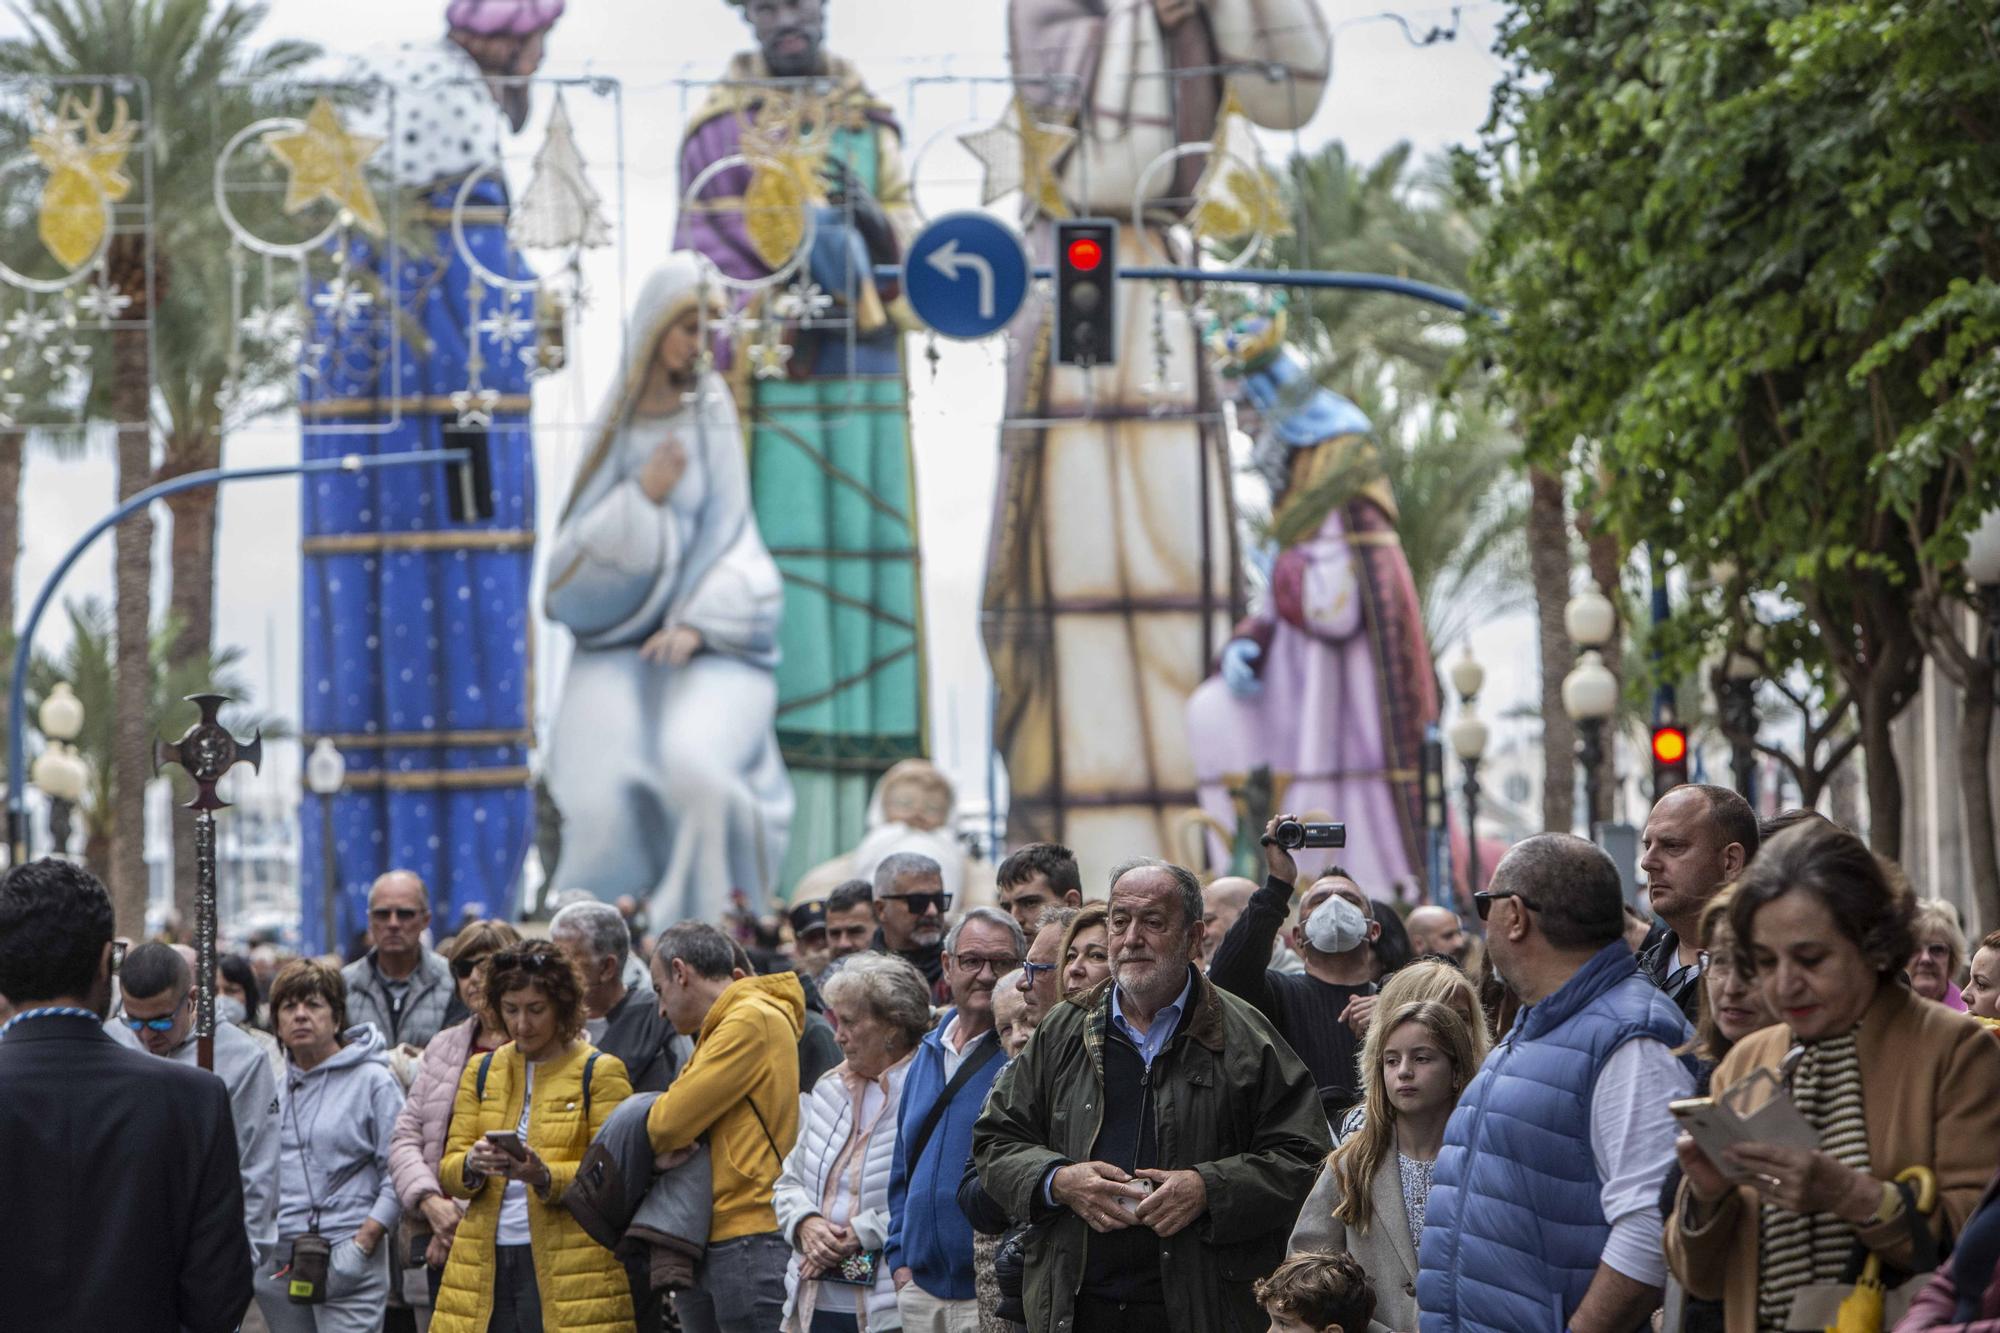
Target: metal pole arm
{"points": [[1308, 279], [17, 701]]}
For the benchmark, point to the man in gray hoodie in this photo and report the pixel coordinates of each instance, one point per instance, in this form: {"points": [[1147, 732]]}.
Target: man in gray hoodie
{"points": [[158, 1010], [336, 1111]]}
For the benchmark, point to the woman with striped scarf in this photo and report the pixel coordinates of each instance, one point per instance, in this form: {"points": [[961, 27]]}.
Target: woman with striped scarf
{"points": [[1888, 1081]]}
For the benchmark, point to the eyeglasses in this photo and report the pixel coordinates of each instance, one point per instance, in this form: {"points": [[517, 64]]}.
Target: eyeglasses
{"points": [[1719, 960], [465, 967], [526, 960], [1036, 969], [919, 904], [976, 964], [1484, 900]]}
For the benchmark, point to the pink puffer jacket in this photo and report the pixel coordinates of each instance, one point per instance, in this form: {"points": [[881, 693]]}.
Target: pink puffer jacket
{"points": [[418, 1141]]}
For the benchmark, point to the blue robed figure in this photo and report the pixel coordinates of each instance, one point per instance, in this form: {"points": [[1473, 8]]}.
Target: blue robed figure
{"points": [[416, 640]]}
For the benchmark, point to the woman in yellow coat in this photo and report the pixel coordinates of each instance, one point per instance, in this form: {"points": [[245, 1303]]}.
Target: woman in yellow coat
{"points": [[520, 1263]]}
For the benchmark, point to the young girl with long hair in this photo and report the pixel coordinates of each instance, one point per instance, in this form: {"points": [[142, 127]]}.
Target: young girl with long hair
{"points": [[1370, 1198]]}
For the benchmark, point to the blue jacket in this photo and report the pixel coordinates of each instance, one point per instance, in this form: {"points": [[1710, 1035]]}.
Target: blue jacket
{"points": [[1514, 1226], [928, 1233]]}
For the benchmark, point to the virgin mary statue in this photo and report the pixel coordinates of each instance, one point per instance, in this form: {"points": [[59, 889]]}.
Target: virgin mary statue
{"points": [[663, 758]]}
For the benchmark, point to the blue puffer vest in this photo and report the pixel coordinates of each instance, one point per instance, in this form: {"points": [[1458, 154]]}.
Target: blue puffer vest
{"points": [[1514, 1226]]}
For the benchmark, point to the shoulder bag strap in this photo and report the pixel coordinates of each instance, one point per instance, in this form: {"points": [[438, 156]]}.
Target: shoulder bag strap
{"points": [[589, 1064], [973, 1064], [479, 1084]]}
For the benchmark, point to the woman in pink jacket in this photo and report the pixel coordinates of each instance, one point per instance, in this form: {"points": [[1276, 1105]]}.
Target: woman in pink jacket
{"points": [[418, 1141]]}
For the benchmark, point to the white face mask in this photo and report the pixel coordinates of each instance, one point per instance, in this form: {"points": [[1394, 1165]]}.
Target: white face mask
{"points": [[229, 1009], [1336, 926]]}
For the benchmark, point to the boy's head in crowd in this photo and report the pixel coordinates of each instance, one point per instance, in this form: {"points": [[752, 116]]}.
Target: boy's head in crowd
{"points": [[1318, 1293]]}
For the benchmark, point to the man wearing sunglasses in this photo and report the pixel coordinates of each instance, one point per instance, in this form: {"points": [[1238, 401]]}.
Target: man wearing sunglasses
{"points": [[910, 908], [158, 1009], [1590, 1062], [399, 985]]}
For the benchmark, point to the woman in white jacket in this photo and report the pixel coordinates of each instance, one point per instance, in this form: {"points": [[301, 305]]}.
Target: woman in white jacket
{"points": [[833, 1197]]}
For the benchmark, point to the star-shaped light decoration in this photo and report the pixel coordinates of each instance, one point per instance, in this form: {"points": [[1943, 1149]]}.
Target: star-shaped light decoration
{"points": [[769, 360], [324, 162], [1020, 153], [475, 407], [104, 301], [345, 299], [30, 324], [507, 326]]}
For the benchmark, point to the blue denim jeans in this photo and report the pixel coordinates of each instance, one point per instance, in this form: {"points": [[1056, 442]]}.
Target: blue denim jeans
{"points": [[739, 1287]]}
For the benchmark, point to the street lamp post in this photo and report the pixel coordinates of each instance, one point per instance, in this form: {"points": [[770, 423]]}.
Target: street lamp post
{"points": [[1590, 691], [1468, 742], [326, 774], [59, 770], [1740, 671], [1982, 566]]}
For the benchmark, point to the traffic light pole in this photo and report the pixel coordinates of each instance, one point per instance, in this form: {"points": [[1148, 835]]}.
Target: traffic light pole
{"points": [[17, 698]]}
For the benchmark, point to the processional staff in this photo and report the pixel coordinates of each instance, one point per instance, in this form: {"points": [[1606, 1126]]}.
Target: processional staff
{"points": [[207, 752]]}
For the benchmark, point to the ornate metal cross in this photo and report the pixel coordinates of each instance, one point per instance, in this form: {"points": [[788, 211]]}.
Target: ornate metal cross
{"points": [[207, 752]]}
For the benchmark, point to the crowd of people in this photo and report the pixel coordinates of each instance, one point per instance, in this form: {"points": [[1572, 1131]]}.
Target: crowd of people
{"points": [[1180, 1106]]}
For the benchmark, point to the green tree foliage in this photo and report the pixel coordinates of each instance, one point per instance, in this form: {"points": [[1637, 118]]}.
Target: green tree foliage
{"points": [[1746, 252]]}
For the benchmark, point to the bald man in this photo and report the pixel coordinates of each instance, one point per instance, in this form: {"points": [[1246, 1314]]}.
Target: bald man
{"points": [[399, 985], [1221, 903], [1436, 930]]}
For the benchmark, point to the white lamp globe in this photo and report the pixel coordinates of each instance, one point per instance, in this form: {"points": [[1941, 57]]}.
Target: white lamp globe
{"points": [[1590, 691], [326, 771], [61, 714], [1590, 619]]}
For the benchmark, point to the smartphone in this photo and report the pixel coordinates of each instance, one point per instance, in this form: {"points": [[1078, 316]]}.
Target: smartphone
{"points": [[1688, 1106], [509, 1142]]}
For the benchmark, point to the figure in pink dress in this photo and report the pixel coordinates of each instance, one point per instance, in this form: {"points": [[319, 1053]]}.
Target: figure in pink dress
{"points": [[1329, 683]]}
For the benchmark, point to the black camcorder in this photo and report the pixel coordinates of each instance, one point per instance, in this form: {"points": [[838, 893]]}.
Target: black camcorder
{"points": [[1292, 834]]}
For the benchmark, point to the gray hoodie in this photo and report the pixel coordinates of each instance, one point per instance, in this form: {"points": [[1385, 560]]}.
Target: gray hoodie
{"points": [[334, 1122]]}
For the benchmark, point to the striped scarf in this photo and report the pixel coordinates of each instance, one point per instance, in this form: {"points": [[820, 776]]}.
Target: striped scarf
{"points": [[1806, 1249]]}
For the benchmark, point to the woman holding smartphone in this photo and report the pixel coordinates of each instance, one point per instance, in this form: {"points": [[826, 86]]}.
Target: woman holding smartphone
{"points": [[523, 1118]]}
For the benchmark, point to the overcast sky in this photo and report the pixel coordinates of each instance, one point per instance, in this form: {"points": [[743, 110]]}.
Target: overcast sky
{"points": [[1385, 89]]}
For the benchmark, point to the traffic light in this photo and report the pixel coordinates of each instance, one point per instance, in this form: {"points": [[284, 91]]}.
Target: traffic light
{"points": [[1670, 759], [1087, 292]]}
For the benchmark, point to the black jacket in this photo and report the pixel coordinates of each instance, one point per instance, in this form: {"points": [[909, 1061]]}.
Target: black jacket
{"points": [[119, 1170], [1658, 959]]}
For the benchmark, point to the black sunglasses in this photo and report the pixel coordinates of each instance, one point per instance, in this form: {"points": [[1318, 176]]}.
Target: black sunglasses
{"points": [[1483, 901], [465, 967], [919, 903], [526, 960], [399, 913]]}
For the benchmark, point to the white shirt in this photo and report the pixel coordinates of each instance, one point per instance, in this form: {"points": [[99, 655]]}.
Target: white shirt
{"points": [[954, 1056], [1632, 1141], [514, 1203]]}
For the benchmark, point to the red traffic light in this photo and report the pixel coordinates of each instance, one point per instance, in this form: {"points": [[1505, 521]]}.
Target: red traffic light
{"points": [[1670, 745], [1085, 255]]}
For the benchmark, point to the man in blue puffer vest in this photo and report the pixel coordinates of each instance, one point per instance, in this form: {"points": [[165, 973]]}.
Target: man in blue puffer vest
{"points": [[1524, 1231]]}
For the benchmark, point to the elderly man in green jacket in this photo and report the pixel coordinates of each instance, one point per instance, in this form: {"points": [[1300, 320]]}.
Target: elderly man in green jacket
{"points": [[1162, 1130]]}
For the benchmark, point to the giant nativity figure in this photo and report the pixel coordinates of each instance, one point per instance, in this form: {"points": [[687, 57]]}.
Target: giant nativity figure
{"points": [[793, 156], [416, 638]]}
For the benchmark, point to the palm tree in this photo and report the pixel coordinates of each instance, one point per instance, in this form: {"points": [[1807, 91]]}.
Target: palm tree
{"points": [[205, 79], [87, 664]]}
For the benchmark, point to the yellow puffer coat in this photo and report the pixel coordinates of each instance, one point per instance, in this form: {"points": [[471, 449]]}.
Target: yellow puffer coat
{"points": [[582, 1286]]}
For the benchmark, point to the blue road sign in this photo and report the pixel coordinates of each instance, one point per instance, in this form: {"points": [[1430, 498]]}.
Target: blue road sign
{"points": [[967, 275]]}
